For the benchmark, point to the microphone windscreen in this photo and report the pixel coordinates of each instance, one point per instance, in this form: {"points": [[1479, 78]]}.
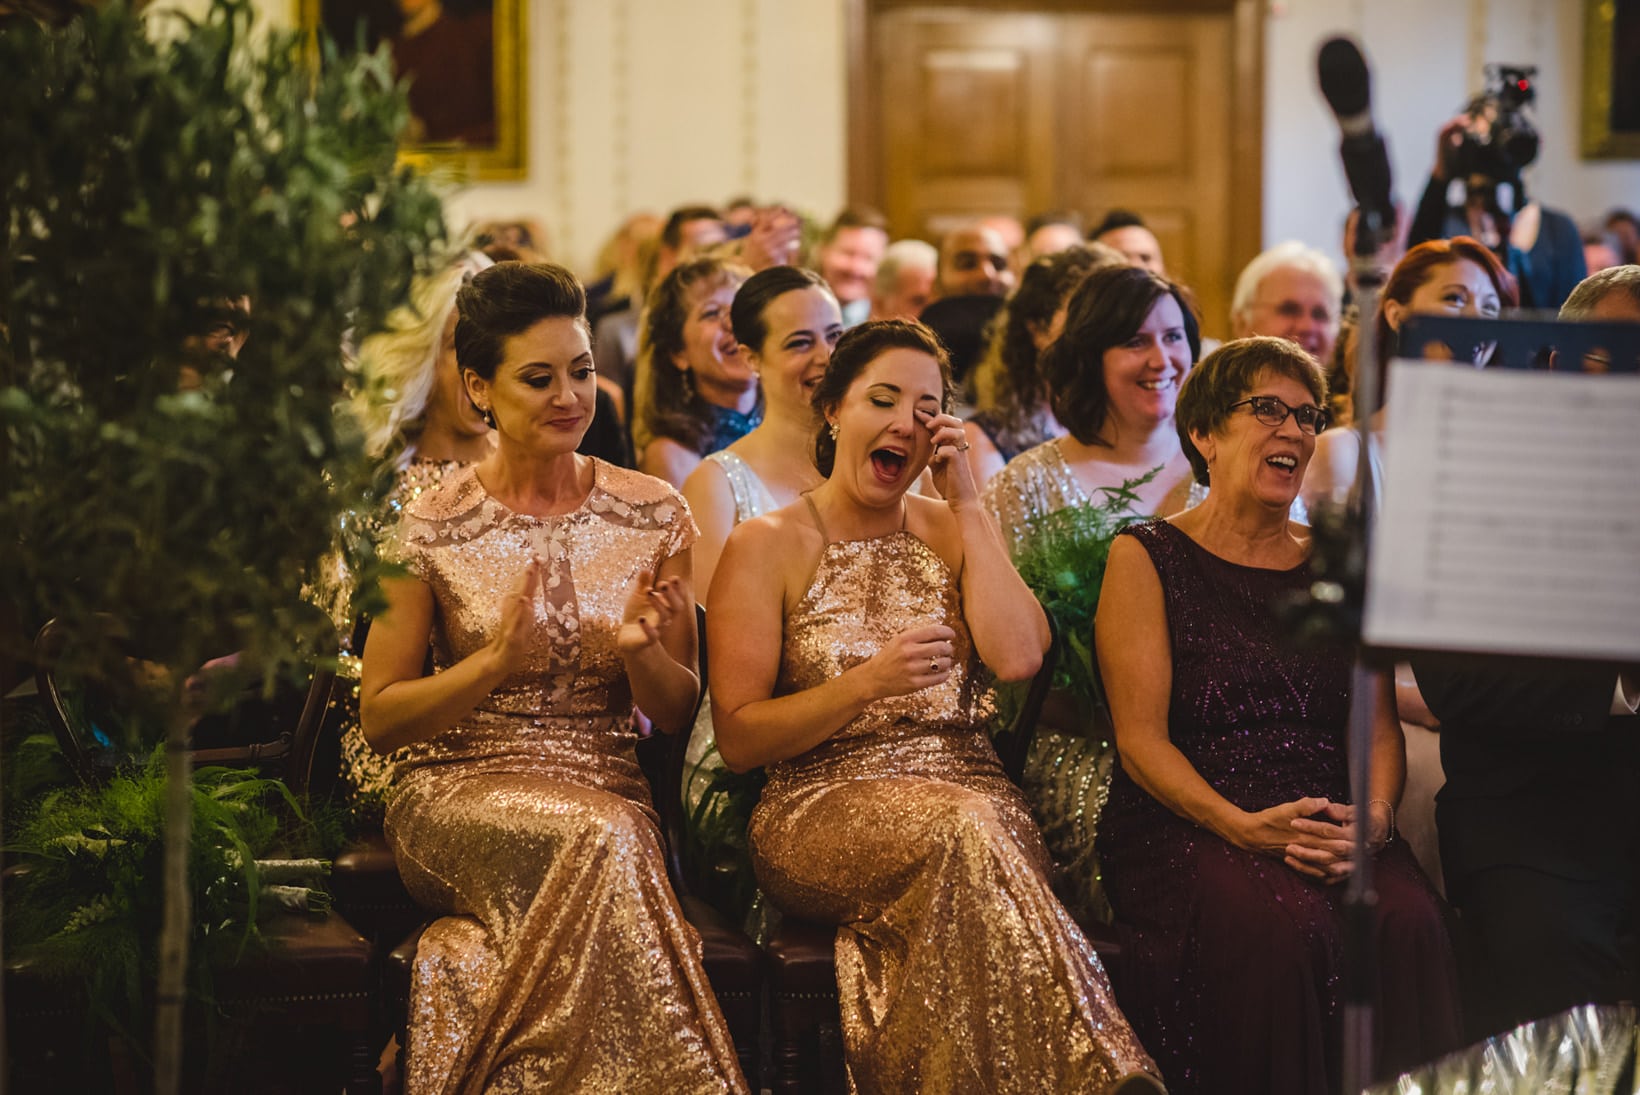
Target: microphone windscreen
{"points": [[1343, 75]]}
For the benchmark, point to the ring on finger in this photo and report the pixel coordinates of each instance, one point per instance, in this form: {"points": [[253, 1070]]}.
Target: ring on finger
{"points": [[933, 665], [962, 447]]}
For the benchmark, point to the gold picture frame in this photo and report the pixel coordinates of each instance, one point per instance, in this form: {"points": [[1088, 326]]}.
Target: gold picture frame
{"points": [[461, 127], [1611, 79]]}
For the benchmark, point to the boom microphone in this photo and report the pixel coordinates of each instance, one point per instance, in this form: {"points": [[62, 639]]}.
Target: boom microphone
{"points": [[1342, 72]]}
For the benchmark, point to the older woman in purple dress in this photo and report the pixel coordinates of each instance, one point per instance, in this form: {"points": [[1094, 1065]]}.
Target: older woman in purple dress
{"points": [[1229, 825]]}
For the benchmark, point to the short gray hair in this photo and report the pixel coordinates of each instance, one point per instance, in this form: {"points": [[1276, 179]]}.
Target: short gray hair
{"points": [[899, 256], [1597, 287], [1293, 254]]}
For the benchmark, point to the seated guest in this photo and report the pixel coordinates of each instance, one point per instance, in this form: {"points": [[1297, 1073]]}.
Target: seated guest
{"points": [[1112, 377], [1126, 231], [787, 322], [696, 393], [1290, 291], [1457, 277], [850, 629], [1051, 233], [1011, 398], [848, 258], [974, 262], [1537, 820], [689, 232], [905, 280], [1229, 827], [555, 590]]}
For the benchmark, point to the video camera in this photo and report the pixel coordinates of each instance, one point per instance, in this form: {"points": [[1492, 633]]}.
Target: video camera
{"points": [[1500, 139]]}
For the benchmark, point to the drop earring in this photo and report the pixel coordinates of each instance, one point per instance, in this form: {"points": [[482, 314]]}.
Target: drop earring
{"points": [[488, 416], [688, 386], [833, 431]]}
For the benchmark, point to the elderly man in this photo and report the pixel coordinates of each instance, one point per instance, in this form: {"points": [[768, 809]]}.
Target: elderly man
{"points": [[905, 280], [1293, 292], [848, 258]]}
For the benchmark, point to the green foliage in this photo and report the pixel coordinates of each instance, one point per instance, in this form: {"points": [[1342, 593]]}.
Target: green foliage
{"points": [[146, 177], [1063, 562], [87, 905], [715, 848]]}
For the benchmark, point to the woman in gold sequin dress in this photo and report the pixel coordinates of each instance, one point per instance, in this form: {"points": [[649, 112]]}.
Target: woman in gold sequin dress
{"points": [[850, 629], [555, 588]]}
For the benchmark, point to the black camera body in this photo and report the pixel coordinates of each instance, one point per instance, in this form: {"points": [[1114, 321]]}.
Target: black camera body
{"points": [[1500, 139]]}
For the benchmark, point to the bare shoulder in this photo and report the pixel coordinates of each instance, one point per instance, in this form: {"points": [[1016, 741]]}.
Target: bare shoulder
{"points": [[667, 459], [708, 483], [932, 522]]}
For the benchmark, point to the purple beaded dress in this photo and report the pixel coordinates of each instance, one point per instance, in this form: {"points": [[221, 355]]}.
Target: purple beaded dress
{"points": [[1232, 963]]}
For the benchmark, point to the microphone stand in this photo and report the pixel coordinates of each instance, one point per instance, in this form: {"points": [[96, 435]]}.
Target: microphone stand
{"points": [[1360, 898]]}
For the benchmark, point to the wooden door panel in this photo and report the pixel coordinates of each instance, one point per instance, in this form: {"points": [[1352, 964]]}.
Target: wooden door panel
{"points": [[967, 118]]}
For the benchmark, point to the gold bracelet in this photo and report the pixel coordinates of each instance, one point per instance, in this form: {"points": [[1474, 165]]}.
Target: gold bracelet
{"points": [[1390, 806]]}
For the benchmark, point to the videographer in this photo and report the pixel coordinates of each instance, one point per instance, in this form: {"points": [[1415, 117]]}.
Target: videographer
{"points": [[1486, 148]]}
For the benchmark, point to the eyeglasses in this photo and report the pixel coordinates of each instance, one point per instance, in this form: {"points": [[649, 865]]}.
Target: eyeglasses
{"points": [[1273, 412]]}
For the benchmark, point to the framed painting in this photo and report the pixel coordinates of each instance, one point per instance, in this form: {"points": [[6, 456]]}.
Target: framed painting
{"points": [[1611, 79], [464, 61]]}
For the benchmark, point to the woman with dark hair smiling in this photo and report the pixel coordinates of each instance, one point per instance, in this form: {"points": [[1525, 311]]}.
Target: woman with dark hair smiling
{"points": [[849, 634], [555, 589], [1112, 376], [1229, 825], [695, 393]]}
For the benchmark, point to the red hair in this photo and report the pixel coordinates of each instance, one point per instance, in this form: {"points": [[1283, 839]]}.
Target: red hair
{"points": [[1415, 270]]}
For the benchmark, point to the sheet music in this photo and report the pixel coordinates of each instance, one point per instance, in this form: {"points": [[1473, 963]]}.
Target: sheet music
{"points": [[1511, 514]]}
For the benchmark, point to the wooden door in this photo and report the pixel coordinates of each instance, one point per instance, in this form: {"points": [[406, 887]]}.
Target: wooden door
{"points": [[965, 112]]}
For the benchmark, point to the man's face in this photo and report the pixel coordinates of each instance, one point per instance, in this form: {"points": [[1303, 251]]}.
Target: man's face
{"points": [[695, 238], [849, 262], [913, 289], [1138, 245], [975, 263]]}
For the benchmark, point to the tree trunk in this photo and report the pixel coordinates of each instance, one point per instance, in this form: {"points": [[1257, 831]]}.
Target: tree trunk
{"points": [[170, 1001]]}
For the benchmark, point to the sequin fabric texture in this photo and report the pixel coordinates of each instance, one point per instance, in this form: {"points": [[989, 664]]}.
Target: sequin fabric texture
{"points": [[1067, 774], [957, 968], [564, 963], [1231, 962], [366, 774]]}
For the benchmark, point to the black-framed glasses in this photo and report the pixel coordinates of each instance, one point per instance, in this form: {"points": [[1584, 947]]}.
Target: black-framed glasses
{"points": [[1273, 412]]}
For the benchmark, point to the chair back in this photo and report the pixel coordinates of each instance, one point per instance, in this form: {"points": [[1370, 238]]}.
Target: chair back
{"points": [[288, 754], [1013, 744]]}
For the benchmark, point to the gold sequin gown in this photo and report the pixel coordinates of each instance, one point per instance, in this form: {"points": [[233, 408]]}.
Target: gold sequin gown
{"points": [[564, 964], [957, 969]]}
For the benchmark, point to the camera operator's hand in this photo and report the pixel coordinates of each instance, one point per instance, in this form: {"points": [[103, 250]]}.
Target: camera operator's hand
{"points": [[1447, 143]]}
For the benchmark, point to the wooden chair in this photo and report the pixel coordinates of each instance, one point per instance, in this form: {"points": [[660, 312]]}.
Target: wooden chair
{"points": [[316, 976], [734, 965], [806, 1023]]}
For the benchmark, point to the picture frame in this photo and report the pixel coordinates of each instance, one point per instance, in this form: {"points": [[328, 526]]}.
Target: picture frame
{"points": [[462, 123], [1611, 79]]}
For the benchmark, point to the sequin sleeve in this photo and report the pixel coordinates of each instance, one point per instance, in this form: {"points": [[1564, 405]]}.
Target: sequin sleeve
{"points": [[405, 545]]}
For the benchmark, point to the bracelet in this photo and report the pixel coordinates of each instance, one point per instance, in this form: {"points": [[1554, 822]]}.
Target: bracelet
{"points": [[1390, 806]]}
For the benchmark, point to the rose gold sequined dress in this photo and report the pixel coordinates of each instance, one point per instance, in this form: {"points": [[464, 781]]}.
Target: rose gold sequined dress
{"points": [[565, 964], [957, 969]]}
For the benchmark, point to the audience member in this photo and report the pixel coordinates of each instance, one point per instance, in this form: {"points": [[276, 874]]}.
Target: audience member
{"points": [[1626, 227], [1290, 291], [689, 231], [847, 631], [1601, 250], [1112, 379], [1125, 231], [905, 280], [555, 592], [1229, 827], [1051, 233], [1537, 819], [848, 258], [621, 263], [974, 262], [696, 393], [1011, 397]]}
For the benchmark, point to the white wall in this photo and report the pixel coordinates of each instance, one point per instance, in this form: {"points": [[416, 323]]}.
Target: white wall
{"points": [[647, 104], [1426, 58]]}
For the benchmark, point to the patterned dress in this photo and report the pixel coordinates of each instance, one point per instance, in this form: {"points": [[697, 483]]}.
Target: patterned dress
{"points": [[564, 963], [1231, 961], [957, 969]]}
